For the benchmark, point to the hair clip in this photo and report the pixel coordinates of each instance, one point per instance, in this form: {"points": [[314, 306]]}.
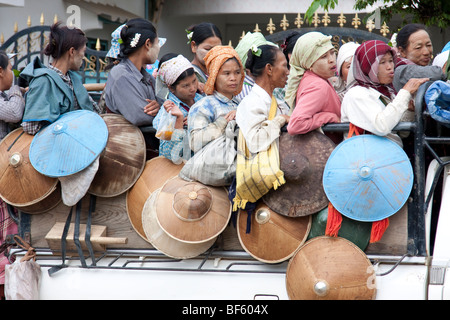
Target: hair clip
{"points": [[120, 41], [256, 51], [135, 40], [189, 35]]}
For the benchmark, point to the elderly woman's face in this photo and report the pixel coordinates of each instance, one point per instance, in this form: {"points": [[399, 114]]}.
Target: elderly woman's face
{"points": [[419, 49], [280, 71], [325, 66]]}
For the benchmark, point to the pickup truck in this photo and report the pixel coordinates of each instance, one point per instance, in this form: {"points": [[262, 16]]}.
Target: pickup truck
{"points": [[413, 269]]}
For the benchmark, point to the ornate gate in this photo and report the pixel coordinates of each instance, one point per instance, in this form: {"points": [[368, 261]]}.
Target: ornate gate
{"points": [[30, 42]]}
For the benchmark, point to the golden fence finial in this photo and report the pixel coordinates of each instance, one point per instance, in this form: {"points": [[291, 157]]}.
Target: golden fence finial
{"points": [[341, 20], [316, 19], [42, 21], [370, 25], [2, 39], [284, 23], [230, 44], [270, 27], [243, 35], [298, 21], [257, 29], [98, 46], [55, 19], [356, 21], [326, 19], [29, 21], [384, 29], [16, 27]]}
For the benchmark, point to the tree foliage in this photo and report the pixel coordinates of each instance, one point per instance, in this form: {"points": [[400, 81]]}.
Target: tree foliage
{"points": [[427, 12]]}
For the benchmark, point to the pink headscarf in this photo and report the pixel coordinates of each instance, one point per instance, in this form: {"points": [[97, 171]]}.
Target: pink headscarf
{"points": [[366, 62]]}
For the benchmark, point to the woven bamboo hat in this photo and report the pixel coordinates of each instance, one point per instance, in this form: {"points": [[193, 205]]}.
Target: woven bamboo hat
{"points": [[192, 212], [162, 241], [330, 268], [273, 238], [155, 174], [302, 159], [21, 185], [123, 159]]}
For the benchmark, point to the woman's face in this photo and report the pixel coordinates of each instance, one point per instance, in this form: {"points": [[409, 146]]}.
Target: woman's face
{"points": [[153, 50], [386, 69], [325, 66], [345, 68], [228, 78], [203, 48], [280, 71], [6, 77], [185, 89], [77, 58], [419, 49]]}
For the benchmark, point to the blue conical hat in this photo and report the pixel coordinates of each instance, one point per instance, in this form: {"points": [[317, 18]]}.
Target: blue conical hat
{"points": [[68, 145], [368, 178]]}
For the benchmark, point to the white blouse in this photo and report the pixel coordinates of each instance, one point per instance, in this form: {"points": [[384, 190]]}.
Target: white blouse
{"points": [[252, 118], [363, 107]]}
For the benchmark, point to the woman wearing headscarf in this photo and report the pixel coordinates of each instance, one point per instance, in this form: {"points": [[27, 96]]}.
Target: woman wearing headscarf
{"points": [[343, 64], [313, 62], [372, 104], [178, 76], [209, 117], [250, 40]]}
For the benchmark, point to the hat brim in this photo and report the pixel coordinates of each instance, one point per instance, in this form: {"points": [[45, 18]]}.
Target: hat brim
{"points": [[162, 241], [155, 174]]}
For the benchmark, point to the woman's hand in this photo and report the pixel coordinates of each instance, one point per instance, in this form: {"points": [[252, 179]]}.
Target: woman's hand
{"points": [[174, 110], [413, 84], [231, 115], [152, 108]]}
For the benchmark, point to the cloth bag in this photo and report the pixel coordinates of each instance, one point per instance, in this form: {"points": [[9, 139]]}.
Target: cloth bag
{"points": [[22, 278], [257, 173], [215, 163]]}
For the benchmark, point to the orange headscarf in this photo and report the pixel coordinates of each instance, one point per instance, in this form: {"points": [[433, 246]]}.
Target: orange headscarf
{"points": [[214, 60]]}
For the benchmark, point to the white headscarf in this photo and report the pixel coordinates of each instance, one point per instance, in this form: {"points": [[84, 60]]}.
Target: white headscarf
{"points": [[308, 48], [169, 72]]}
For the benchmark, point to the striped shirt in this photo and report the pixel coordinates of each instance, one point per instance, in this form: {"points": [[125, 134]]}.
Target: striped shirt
{"points": [[173, 149], [12, 106], [206, 120]]}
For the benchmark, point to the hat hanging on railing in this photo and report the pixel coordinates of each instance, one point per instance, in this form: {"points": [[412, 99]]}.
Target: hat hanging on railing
{"points": [[367, 178]]}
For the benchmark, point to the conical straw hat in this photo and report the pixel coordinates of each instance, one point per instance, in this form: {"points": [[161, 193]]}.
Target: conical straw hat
{"points": [[192, 212], [163, 242], [330, 268]]}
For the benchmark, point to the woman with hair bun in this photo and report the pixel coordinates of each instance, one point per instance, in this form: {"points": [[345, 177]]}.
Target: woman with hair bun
{"points": [[202, 37], [130, 89], [56, 89], [268, 65]]}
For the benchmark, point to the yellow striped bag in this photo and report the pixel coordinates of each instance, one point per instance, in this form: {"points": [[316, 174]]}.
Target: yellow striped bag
{"points": [[257, 173]]}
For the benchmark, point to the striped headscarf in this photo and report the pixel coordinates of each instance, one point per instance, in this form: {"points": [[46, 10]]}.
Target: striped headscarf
{"points": [[308, 48], [214, 60], [365, 66]]}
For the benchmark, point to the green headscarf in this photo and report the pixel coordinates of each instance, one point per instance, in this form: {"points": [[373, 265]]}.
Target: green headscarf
{"points": [[249, 40], [308, 48]]}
